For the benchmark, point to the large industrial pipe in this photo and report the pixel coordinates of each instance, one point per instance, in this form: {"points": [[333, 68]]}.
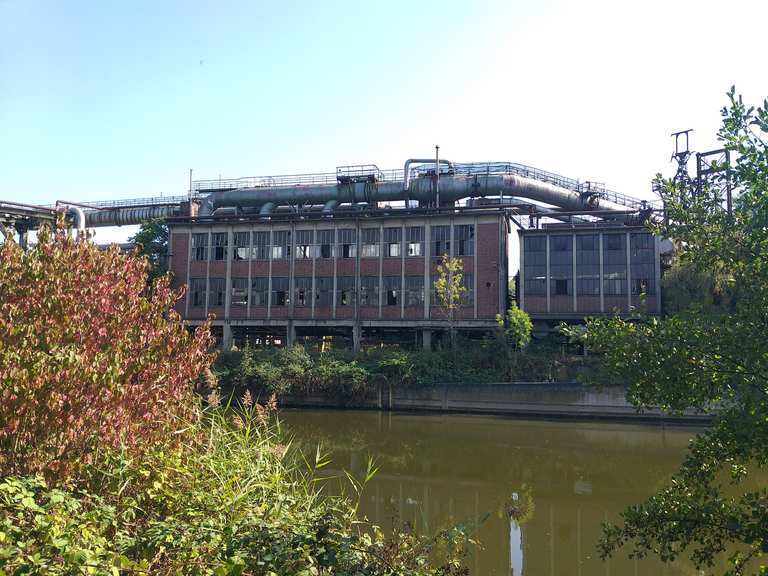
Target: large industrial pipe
{"points": [[407, 168], [452, 188], [129, 216]]}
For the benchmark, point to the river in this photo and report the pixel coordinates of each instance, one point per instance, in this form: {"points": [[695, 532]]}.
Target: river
{"points": [[563, 478]]}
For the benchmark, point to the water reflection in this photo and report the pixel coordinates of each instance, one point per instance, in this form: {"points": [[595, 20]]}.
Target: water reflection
{"points": [[537, 491]]}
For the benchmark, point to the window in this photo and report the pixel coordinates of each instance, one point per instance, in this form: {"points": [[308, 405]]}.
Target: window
{"points": [[348, 243], [242, 246], [280, 291], [217, 292], [305, 244], [369, 291], [642, 264], [370, 248], [325, 240], [392, 288], [392, 242], [615, 264], [220, 245], [323, 291], [260, 250], [259, 291], [465, 239], [441, 240], [303, 290], [535, 265], [561, 265], [197, 292], [468, 282], [239, 292], [434, 297], [414, 290], [587, 265], [200, 247], [281, 244], [414, 237], [346, 290]]}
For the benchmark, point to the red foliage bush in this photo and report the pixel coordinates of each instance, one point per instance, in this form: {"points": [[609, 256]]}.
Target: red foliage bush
{"points": [[90, 355]]}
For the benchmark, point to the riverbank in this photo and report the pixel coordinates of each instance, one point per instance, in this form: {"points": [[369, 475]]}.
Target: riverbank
{"points": [[561, 401]]}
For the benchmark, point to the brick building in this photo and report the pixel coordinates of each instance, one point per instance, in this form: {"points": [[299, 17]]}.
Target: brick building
{"points": [[360, 274]]}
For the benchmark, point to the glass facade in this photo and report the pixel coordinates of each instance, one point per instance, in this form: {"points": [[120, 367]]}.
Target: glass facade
{"points": [[279, 291], [259, 291], [305, 244], [242, 246], [200, 247], [465, 239], [219, 244], [303, 290], [260, 250], [197, 292], [414, 290], [281, 244], [325, 240], [642, 264], [414, 238], [323, 291], [347, 243], [345, 291], [369, 290], [392, 242], [535, 265], [239, 292], [370, 243], [392, 289], [588, 265], [217, 288], [441, 240], [561, 265], [614, 264]]}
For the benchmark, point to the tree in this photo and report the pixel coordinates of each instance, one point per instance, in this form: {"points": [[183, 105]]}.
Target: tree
{"points": [[89, 355], [450, 289], [516, 327], [152, 242], [708, 358]]}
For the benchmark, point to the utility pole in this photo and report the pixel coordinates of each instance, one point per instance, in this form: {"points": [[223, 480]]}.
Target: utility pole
{"points": [[437, 175]]}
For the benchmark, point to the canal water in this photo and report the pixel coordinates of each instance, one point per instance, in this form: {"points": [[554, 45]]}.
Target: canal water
{"points": [[561, 480]]}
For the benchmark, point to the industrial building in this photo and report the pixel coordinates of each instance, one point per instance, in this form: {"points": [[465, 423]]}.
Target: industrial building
{"points": [[353, 254]]}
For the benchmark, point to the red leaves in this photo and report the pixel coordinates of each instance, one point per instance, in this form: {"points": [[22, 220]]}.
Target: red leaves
{"points": [[88, 355]]}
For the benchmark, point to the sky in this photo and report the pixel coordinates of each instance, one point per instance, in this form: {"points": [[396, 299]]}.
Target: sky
{"points": [[104, 100]]}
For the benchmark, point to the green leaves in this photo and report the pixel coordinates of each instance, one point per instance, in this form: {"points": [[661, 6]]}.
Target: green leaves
{"points": [[710, 355]]}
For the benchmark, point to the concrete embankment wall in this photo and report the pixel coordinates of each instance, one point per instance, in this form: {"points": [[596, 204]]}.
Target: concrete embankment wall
{"points": [[548, 400]]}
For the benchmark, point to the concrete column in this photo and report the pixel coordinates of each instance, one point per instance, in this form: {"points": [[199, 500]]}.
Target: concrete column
{"points": [[226, 339], [629, 273], [602, 292], [290, 333], [547, 282], [356, 337], [426, 339]]}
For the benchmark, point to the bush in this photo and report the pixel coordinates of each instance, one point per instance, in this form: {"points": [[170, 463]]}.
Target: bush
{"points": [[90, 356], [233, 500]]}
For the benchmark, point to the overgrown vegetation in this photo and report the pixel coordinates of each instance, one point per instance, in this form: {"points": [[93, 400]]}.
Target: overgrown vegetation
{"points": [[347, 375], [109, 466], [710, 356]]}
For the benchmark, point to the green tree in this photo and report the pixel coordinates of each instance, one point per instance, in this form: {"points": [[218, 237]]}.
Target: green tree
{"points": [[708, 358], [450, 289], [516, 326], [152, 242]]}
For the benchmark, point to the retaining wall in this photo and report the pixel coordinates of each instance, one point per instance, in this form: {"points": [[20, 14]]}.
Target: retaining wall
{"points": [[551, 400]]}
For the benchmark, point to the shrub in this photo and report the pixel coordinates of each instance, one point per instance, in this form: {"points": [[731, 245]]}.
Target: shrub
{"points": [[235, 500], [90, 356]]}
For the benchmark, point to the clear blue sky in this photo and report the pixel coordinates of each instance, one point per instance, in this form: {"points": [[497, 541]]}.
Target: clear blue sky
{"points": [[119, 99]]}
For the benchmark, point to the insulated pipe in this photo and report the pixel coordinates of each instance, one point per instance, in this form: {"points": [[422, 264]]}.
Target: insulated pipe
{"points": [[452, 188], [407, 171], [129, 216], [79, 216], [330, 206], [266, 209]]}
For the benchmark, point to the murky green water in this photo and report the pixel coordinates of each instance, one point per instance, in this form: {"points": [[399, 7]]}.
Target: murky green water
{"points": [[438, 470]]}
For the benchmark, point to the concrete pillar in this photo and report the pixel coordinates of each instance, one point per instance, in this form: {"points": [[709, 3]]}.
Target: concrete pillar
{"points": [[226, 338], [426, 339], [291, 334], [356, 338]]}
